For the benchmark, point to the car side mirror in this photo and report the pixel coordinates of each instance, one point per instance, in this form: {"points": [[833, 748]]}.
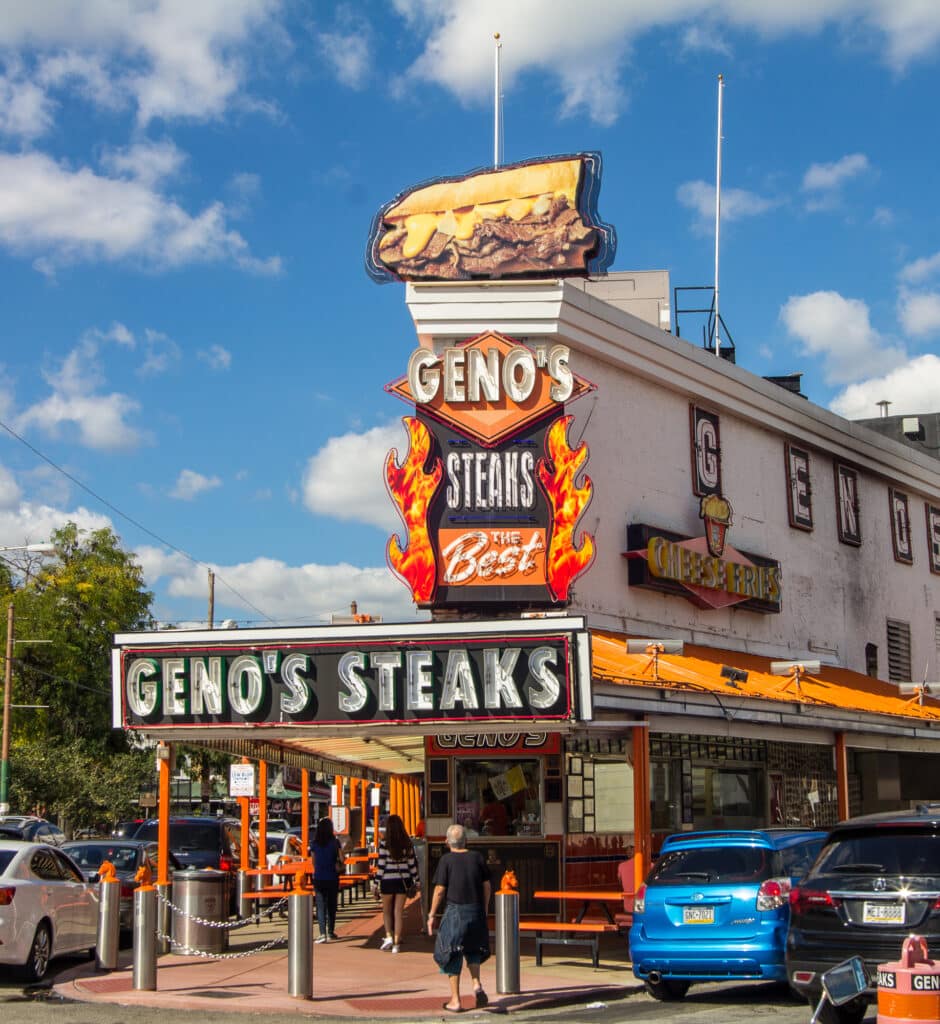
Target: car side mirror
{"points": [[843, 983]]}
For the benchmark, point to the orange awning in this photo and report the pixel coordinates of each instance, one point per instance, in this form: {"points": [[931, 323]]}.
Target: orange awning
{"points": [[698, 670]]}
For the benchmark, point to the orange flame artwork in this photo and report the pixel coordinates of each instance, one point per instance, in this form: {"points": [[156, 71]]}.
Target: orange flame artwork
{"points": [[565, 562], [412, 489]]}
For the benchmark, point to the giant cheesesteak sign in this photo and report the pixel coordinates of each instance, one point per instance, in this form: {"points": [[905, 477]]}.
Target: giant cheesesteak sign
{"points": [[490, 490], [523, 670]]}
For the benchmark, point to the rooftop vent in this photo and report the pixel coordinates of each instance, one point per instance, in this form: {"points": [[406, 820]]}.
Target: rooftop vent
{"points": [[789, 382]]}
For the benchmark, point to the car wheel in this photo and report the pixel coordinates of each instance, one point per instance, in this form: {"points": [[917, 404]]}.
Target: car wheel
{"points": [[667, 990], [37, 963], [848, 1013]]}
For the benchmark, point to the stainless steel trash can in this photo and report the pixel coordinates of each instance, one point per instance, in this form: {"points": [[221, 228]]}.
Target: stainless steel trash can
{"points": [[200, 895]]}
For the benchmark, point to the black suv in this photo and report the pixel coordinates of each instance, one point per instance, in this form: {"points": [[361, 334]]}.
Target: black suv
{"points": [[875, 881], [200, 842]]}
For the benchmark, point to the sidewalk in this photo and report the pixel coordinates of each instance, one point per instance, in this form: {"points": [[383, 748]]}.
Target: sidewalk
{"points": [[352, 977]]}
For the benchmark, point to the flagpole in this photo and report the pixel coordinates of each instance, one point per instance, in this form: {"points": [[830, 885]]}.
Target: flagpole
{"points": [[721, 86], [497, 110]]}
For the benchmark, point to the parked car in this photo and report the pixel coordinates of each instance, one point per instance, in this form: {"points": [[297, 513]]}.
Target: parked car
{"points": [[47, 909], [126, 829], [201, 842], [876, 881], [127, 856], [272, 825], [30, 829], [714, 908]]}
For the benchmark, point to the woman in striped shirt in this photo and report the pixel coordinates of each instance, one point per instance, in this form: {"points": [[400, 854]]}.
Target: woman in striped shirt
{"points": [[397, 875]]}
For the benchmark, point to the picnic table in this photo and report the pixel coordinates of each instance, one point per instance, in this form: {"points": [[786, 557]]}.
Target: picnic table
{"points": [[586, 897]]}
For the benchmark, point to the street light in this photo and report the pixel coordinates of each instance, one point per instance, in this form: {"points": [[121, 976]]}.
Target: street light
{"points": [[38, 549]]}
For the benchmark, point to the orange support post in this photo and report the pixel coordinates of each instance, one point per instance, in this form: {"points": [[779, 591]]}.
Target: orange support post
{"points": [[364, 793], [244, 856], [305, 809], [353, 793], [262, 813], [842, 776], [415, 806], [642, 839], [164, 756], [375, 819]]}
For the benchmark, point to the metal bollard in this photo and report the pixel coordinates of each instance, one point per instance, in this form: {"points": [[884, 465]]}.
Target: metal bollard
{"points": [[245, 882], [164, 917], [507, 942], [109, 919], [145, 938], [300, 944]]}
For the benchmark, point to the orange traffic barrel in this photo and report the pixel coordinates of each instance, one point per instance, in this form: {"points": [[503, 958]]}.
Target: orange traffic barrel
{"points": [[909, 988]]}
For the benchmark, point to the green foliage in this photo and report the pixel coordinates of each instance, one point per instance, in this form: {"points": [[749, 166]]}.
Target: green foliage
{"points": [[66, 757]]}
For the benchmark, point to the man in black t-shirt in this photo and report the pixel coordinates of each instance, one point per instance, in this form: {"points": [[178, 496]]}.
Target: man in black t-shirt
{"points": [[462, 883]]}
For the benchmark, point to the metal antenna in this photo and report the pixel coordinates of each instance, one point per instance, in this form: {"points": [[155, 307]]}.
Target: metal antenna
{"points": [[497, 106], [721, 88]]}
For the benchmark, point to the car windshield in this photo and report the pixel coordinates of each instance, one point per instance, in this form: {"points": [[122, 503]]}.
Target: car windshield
{"points": [[713, 864], [885, 852], [186, 835], [124, 858]]}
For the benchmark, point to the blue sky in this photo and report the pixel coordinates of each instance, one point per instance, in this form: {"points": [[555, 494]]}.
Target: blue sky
{"points": [[186, 189]]}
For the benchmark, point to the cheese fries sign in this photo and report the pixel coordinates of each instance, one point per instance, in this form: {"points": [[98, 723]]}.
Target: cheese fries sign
{"points": [[531, 219], [490, 490]]}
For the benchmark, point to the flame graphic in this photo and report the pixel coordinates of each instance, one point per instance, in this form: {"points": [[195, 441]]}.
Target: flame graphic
{"points": [[412, 489], [564, 561]]}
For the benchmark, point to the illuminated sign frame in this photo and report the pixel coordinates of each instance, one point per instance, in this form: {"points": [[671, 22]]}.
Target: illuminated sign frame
{"points": [[455, 674], [490, 491]]}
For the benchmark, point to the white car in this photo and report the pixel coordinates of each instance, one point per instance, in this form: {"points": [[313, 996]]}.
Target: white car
{"points": [[47, 909]]}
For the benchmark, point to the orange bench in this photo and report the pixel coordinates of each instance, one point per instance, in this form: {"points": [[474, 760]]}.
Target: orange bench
{"points": [[567, 933]]}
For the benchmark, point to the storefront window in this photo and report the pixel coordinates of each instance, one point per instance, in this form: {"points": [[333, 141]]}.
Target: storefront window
{"points": [[665, 796], [498, 797], [726, 797]]}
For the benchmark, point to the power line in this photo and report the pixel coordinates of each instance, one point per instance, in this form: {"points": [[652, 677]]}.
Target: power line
{"points": [[123, 515]]}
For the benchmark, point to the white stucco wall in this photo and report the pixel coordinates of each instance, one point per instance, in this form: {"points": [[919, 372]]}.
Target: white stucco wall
{"points": [[836, 598]]}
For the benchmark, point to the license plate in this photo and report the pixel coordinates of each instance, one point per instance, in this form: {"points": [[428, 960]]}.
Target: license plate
{"points": [[882, 913], [698, 915]]}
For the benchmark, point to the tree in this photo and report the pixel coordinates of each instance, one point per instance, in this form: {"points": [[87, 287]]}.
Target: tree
{"points": [[65, 757]]}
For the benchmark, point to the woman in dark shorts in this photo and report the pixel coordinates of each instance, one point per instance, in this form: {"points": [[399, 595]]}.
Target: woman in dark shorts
{"points": [[397, 874]]}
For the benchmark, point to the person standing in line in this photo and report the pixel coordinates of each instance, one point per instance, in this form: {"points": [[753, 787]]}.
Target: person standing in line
{"points": [[327, 864], [396, 872], [462, 883]]}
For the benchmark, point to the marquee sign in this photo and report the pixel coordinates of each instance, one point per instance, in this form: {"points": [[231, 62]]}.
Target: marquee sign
{"points": [[490, 490], [706, 570], [496, 672]]}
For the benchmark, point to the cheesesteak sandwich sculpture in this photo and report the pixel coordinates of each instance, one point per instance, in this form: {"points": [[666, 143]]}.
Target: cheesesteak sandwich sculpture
{"points": [[533, 219]]}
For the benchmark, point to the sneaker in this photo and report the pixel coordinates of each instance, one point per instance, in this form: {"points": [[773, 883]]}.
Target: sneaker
{"points": [[323, 938], [387, 943], [394, 949]]}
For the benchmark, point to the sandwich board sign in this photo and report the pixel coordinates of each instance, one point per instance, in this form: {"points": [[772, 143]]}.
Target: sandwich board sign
{"points": [[241, 780]]}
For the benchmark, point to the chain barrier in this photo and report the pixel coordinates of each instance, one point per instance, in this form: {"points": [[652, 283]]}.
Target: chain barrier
{"points": [[238, 923], [189, 951]]}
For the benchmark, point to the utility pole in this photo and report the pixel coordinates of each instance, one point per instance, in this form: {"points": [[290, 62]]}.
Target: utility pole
{"points": [[211, 598]]}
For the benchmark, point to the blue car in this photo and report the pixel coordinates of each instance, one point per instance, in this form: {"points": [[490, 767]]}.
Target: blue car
{"points": [[715, 908]]}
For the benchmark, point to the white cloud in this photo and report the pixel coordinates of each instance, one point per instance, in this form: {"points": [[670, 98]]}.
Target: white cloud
{"points": [[10, 491], [76, 403], [146, 162], [919, 312], [26, 112], [190, 484], [160, 353], [304, 593], [171, 59], [345, 479], [349, 54], [839, 330], [705, 38], [824, 177], [598, 36], [64, 216], [911, 388], [736, 204], [32, 523], [921, 269], [216, 357]]}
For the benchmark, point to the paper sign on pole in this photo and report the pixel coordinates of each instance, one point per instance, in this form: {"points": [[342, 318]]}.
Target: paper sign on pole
{"points": [[241, 780]]}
